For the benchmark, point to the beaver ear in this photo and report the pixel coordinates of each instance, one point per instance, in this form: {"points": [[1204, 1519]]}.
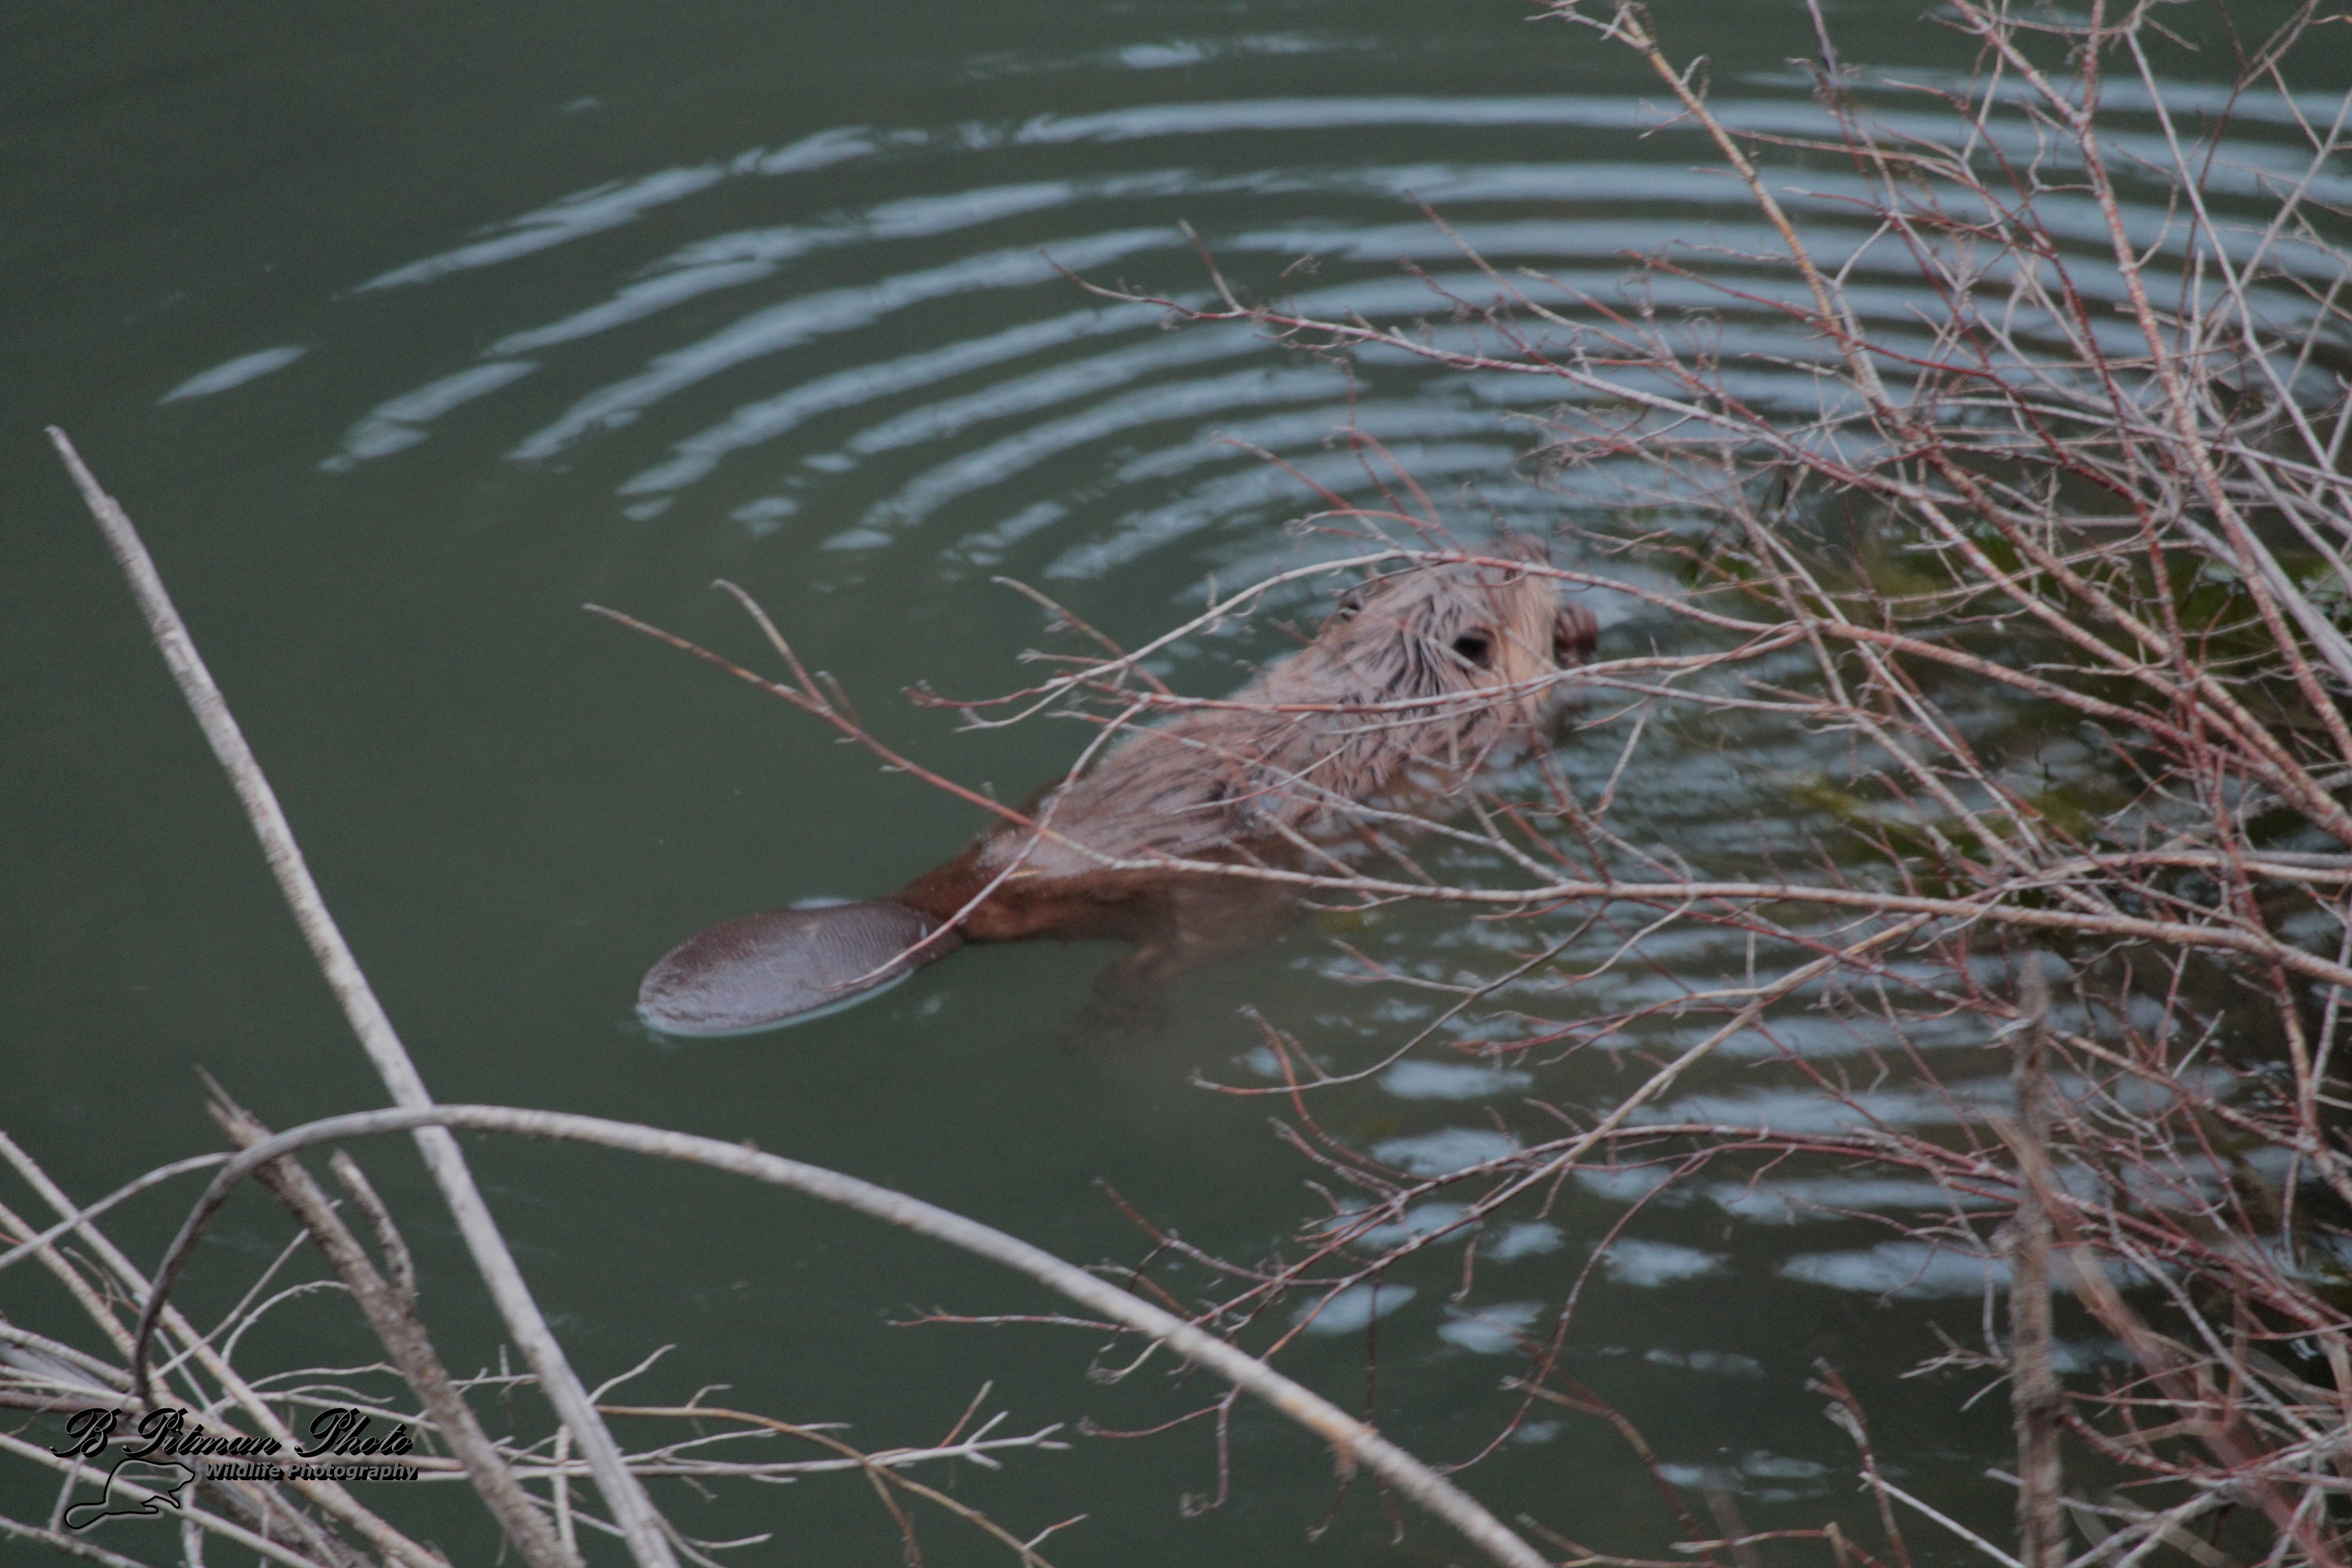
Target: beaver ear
{"points": [[1351, 604]]}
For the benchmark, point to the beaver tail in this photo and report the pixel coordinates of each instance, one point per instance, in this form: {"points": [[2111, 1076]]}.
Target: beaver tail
{"points": [[785, 966]]}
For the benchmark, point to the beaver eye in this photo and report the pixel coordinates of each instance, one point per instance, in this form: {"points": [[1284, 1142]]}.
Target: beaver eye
{"points": [[1475, 647]]}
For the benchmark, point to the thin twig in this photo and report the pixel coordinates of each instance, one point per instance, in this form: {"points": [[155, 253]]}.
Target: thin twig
{"points": [[633, 1510]]}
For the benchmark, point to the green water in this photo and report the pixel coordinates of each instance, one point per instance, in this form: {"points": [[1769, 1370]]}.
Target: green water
{"points": [[402, 333]]}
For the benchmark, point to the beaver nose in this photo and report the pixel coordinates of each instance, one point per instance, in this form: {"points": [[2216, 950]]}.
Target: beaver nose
{"points": [[1574, 632]]}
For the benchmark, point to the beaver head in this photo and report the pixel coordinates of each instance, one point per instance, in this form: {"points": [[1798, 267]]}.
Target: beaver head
{"points": [[1406, 692], [1450, 632]]}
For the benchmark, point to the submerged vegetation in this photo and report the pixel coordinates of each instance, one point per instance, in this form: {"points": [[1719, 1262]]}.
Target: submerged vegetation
{"points": [[2056, 584]]}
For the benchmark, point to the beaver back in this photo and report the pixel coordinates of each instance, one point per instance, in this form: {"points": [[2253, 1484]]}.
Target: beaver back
{"points": [[1405, 694]]}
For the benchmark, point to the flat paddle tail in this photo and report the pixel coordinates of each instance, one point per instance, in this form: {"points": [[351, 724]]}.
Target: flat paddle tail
{"points": [[785, 966]]}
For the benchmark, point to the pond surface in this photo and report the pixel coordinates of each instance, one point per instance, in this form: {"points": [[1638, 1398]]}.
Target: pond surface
{"points": [[404, 334]]}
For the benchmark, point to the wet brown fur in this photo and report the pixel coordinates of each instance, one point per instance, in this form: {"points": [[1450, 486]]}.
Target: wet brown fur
{"points": [[1410, 689]]}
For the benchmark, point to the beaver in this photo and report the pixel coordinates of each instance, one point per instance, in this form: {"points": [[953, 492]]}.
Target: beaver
{"points": [[1411, 687]]}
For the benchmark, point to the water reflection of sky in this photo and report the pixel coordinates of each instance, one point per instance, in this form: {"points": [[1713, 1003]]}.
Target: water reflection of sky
{"points": [[1619, 205]]}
